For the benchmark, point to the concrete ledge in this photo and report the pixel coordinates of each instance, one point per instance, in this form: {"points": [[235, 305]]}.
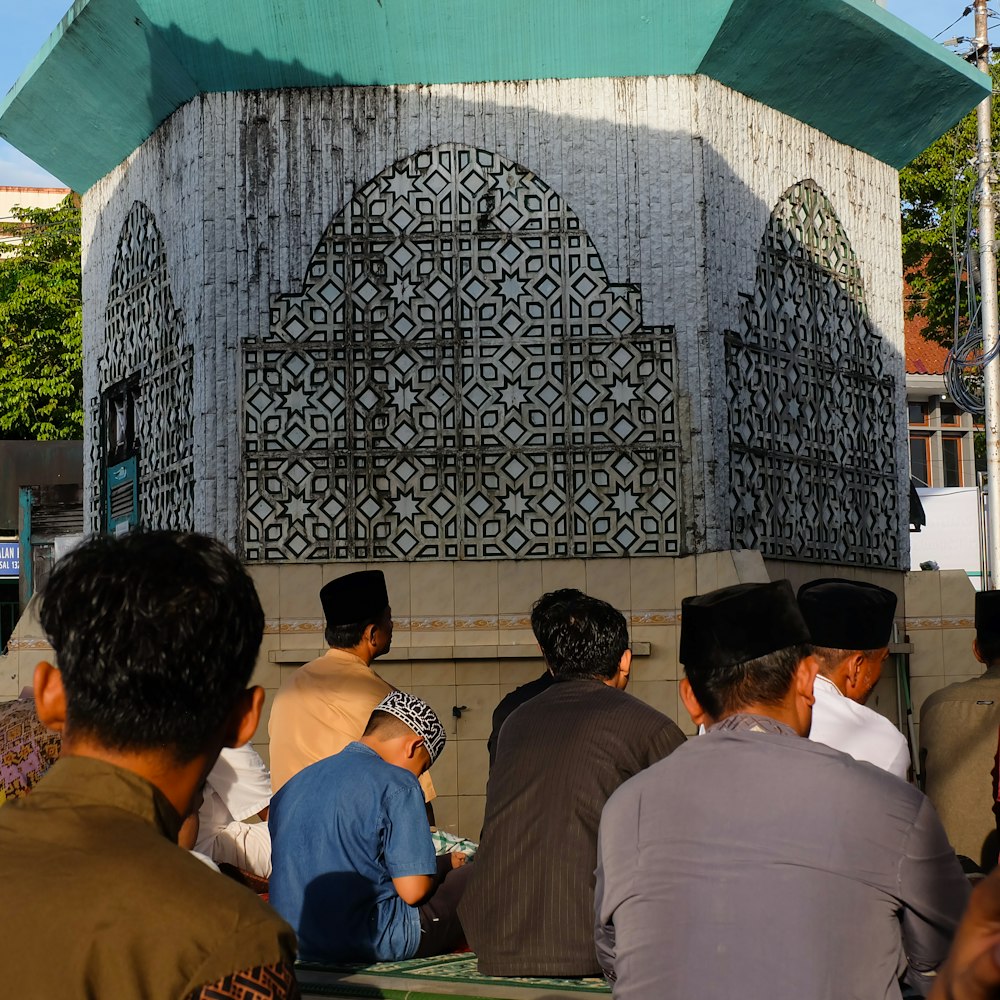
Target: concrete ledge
{"points": [[511, 651]]}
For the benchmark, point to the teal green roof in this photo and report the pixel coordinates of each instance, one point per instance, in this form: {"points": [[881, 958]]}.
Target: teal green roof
{"points": [[113, 70]]}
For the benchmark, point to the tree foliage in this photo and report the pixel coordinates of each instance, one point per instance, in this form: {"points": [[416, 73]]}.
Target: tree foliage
{"points": [[41, 324], [937, 190]]}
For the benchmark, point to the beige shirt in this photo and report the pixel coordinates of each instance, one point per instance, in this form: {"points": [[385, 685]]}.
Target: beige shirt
{"points": [[958, 745], [321, 708]]}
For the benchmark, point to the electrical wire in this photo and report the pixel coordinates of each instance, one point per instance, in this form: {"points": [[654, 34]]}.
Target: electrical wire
{"points": [[965, 13]]}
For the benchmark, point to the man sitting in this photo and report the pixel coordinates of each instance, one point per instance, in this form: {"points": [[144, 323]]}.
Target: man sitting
{"points": [[156, 637], [850, 624], [326, 704], [238, 789], [27, 748], [958, 741], [525, 692], [353, 861], [754, 863], [529, 908]]}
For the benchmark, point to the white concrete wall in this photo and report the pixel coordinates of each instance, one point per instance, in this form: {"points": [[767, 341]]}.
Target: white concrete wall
{"points": [[674, 179]]}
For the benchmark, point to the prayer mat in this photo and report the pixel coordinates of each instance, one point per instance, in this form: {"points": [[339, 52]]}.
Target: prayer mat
{"points": [[448, 843], [444, 977], [27, 748]]}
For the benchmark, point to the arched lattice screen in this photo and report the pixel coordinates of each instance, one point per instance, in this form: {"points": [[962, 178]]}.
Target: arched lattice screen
{"points": [[812, 421], [459, 380], [143, 413]]}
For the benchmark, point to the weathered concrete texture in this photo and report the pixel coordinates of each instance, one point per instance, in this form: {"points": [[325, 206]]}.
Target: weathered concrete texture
{"points": [[674, 179]]}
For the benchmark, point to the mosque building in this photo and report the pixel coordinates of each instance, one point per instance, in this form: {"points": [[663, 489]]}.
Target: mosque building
{"points": [[498, 298]]}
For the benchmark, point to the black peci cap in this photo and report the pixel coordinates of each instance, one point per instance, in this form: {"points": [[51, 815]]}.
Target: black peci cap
{"points": [[356, 597], [737, 624], [847, 614]]}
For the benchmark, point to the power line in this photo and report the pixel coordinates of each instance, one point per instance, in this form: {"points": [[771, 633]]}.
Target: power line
{"points": [[965, 13]]}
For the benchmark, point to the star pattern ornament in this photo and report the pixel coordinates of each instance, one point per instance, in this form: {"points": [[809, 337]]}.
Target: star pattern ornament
{"points": [[146, 341], [487, 394], [812, 412]]}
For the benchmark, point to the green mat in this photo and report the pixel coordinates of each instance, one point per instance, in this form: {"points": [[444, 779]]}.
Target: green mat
{"points": [[442, 978]]}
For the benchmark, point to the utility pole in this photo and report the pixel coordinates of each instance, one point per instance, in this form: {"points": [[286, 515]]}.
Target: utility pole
{"points": [[988, 302]]}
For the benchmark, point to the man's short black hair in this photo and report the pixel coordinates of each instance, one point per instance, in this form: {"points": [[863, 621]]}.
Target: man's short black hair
{"points": [[156, 635], [722, 690], [348, 636], [580, 636], [830, 658]]}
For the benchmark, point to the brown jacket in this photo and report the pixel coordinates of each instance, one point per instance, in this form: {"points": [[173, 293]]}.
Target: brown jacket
{"points": [[101, 902]]}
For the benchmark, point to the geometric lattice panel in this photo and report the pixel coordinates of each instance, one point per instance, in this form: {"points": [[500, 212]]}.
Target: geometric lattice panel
{"points": [[459, 380], [143, 341], [811, 402]]}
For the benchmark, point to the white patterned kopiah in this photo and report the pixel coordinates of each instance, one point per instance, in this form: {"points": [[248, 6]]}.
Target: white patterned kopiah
{"points": [[419, 716]]}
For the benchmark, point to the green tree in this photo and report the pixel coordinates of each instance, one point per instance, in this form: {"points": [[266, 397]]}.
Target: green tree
{"points": [[41, 324], [937, 191]]}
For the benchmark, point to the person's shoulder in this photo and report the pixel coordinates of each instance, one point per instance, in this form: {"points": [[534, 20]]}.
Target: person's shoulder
{"points": [[320, 775], [958, 692], [234, 928], [881, 724], [523, 694], [640, 713], [847, 778]]}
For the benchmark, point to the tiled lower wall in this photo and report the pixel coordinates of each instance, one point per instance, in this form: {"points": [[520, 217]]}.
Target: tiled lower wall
{"points": [[940, 624], [456, 607], [462, 637]]}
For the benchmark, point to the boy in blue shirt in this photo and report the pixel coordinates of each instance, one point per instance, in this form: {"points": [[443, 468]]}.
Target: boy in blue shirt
{"points": [[354, 869]]}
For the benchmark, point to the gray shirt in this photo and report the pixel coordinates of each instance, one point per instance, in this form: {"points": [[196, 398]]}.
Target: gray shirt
{"points": [[760, 864]]}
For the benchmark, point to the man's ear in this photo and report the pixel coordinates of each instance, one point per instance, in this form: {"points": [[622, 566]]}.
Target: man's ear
{"points": [[411, 745], [975, 651], [50, 697], [854, 671], [698, 715], [245, 717], [624, 669], [805, 679]]}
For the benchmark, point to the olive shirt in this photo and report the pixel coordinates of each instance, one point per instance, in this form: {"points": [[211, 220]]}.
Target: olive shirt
{"points": [[321, 708], [100, 901], [958, 743]]}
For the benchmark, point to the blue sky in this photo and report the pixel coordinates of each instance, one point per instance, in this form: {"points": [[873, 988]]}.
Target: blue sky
{"points": [[27, 24]]}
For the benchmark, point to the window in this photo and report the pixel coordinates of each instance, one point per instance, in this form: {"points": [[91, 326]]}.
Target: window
{"points": [[917, 412], [919, 460], [951, 415], [951, 455]]}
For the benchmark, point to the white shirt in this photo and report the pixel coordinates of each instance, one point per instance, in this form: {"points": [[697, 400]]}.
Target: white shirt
{"points": [[237, 788], [865, 735]]}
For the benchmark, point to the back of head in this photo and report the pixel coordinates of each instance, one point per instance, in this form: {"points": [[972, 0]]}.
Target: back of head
{"points": [[988, 625], [580, 636], [741, 645], [401, 712], [846, 616], [350, 604], [156, 635]]}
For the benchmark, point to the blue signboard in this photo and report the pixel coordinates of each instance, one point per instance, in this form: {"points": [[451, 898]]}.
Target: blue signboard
{"points": [[10, 558]]}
